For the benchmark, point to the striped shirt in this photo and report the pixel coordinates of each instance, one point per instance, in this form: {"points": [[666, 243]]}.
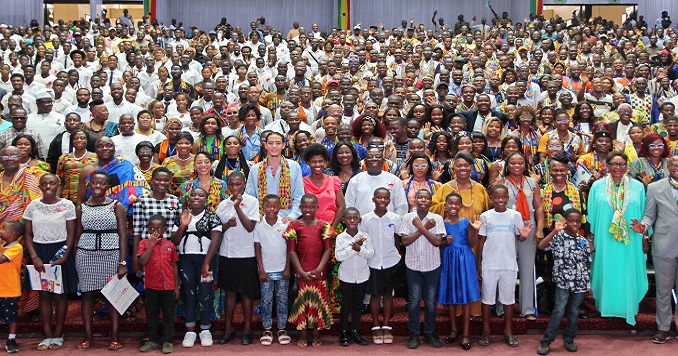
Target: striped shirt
{"points": [[421, 255]]}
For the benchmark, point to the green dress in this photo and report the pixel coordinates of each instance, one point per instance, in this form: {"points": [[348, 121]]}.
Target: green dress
{"points": [[618, 272]]}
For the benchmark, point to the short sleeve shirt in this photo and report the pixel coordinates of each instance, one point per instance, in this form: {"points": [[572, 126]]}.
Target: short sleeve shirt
{"points": [[49, 220], [160, 268], [570, 261], [10, 272]]}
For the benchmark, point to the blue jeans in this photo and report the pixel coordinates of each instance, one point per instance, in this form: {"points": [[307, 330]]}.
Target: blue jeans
{"points": [[196, 294], [281, 289], [566, 302], [422, 285]]}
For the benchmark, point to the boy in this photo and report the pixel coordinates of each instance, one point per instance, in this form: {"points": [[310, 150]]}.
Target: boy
{"points": [[422, 233], [11, 253], [270, 249], [413, 129], [570, 273], [382, 226], [159, 258], [498, 267], [353, 249]]}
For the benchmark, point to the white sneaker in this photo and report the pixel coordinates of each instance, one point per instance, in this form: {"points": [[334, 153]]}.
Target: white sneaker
{"points": [[189, 339], [206, 338]]}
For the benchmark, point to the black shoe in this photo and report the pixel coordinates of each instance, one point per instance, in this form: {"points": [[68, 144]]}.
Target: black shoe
{"points": [[465, 344], [11, 346], [344, 338], [413, 342], [357, 339], [246, 339], [366, 309], [227, 338], [570, 346], [433, 340]]}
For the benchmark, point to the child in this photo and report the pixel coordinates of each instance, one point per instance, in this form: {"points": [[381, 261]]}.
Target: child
{"points": [[353, 249], [11, 254], [570, 273], [274, 268], [498, 267], [382, 227], [309, 242], [422, 233], [160, 260], [458, 281]]}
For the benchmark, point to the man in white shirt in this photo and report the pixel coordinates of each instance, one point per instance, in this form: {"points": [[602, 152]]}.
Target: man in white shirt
{"points": [[82, 97], [364, 183], [30, 85], [84, 73], [45, 121], [119, 105], [113, 73], [126, 142], [45, 77]]}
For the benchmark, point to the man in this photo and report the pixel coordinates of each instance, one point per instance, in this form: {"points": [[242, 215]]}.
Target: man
{"points": [[84, 73], [27, 100], [82, 96], [113, 73], [288, 124], [148, 77], [31, 86], [601, 102], [62, 99], [61, 143], [661, 213], [119, 105], [266, 178], [476, 118], [363, 185], [19, 117], [253, 96], [45, 121]]}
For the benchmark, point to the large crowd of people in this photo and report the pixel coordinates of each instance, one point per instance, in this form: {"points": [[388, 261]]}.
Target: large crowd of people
{"points": [[328, 171]]}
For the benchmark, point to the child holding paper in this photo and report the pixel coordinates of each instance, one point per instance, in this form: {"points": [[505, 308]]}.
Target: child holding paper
{"points": [[11, 253]]}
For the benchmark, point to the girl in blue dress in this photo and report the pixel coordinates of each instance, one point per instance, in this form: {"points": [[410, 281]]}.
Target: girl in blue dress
{"points": [[458, 275]]}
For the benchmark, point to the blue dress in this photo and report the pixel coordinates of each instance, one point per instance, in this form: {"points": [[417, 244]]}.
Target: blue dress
{"points": [[458, 274]]}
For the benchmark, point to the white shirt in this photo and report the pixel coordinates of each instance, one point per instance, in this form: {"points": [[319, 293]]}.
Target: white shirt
{"points": [[422, 255], [354, 267], [281, 126], [47, 125], [362, 186], [273, 245], [190, 245], [126, 146], [237, 241], [46, 81], [622, 133], [382, 231], [155, 138], [114, 76], [27, 101], [34, 87], [499, 251], [85, 74], [85, 113], [125, 107]]}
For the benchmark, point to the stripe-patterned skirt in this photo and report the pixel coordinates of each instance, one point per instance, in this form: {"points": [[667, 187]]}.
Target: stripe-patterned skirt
{"points": [[311, 309], [95, 268]]}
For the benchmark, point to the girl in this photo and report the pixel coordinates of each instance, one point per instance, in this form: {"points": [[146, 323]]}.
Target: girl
{"points": [[439, 148], [193, 126], [181, 110], [50, 224], [233, 160], [458, 275], [145, 127], [144, 152], [210, 138], [28, 152], [437, 121], [309, 241], [301, 140], [250, 133], [168, 147], [493, 133], [545, 121]]}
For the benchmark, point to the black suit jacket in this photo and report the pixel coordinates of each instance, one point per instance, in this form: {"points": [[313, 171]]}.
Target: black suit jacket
{"points": [[471, 115], [613, 129], [54, 151]]}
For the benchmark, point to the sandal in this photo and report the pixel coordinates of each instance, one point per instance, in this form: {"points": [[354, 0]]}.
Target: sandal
{"points": [[84, 345], [283, 338], [56, 343], [44, 344], [530, 317], [387, 336], [484, 340], [511, 341], [302, 343], [316, 343], [377, 335], [451, 339], [267, 338], [114, 345], [465, 343]]}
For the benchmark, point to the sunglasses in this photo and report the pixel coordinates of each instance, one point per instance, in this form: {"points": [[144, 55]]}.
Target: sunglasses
{"points": [[10, 157], [656, 145], [626, 112]]}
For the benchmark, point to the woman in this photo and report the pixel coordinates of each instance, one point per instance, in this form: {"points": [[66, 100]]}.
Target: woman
{"points": [[194, 126], [545, 121], [168, 147], [250, 133], [541, 170], [438, 120], [144, 152], [524, 195], [420, 170], [181, 111], [101, 239], [653, 163], [300, 140], [594, 161], [157, 110], [439, 148], [28, 153], [464, 143], [210, 140], [50, 225], [583, 121], [474, 197], [418, 112], [494, 135], [344, 163], [529, 138], [365, 128], [202, 178], [232, 124], [618, 272], [636, 134], [145, 126], [71, 164], [180, 164], [232, 160], [198, 237]]}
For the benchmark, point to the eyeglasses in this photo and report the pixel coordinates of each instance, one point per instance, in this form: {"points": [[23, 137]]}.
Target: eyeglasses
{"points": [[626, 112], [419, 165], [617, 164], [145, 150], [526, 117], [555, 147], [10, 158], [381, 147], [656, 145], [563, 121]]}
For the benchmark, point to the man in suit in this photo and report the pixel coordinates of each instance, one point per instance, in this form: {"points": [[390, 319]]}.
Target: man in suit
{"points": [[62, 142], [661, 213], [620, 128], [476, 118]]}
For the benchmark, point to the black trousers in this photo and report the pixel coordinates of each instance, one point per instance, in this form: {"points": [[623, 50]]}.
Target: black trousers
{"points": [[157, 301], [352, 295]]}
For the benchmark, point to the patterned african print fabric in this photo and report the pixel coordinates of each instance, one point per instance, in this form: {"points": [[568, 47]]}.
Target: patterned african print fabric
{"points": [[179, 175], [68, 170]]}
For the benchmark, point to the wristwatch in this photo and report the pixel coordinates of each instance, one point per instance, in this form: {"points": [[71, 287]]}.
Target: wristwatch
{"points": [[123, 263]]}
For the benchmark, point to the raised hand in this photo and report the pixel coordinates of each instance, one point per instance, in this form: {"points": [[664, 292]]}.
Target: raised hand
{"points": [[561, 224], [185, 218], [526, 229], [637, 226], [437, 172], [476, 223], [646, 178]]}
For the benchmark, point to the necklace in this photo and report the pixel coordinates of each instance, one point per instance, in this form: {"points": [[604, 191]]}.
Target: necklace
{"points": [[92, 127], [81, 157], [456, 188], [184, 159], [144, 171]]}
